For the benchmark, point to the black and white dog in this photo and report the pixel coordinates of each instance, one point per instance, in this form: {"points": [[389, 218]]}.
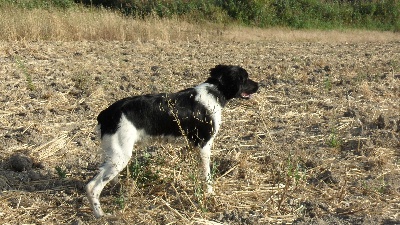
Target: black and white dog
{"points": [[194, 113]]}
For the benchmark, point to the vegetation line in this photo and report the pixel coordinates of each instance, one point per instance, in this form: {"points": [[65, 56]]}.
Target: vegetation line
{"points": [[305, 14]]}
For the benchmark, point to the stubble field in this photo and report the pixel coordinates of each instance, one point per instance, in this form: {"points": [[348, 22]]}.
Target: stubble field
{"points": [[319, 143]]}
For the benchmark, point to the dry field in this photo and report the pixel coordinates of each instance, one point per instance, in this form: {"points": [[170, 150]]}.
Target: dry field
{"points": [[319, 143]]}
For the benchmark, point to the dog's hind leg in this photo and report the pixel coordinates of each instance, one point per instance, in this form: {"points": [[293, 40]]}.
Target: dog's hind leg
{"points": [[118, 151]]}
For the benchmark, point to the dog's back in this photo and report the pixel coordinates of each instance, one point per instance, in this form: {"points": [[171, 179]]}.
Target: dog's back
{"points": [[174, 114]]}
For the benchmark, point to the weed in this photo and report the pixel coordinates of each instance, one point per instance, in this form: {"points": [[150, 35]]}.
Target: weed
{"points": [[141, 170], [82, 81], [380, 188], [333, 140], [120, 200], [28, 76], [394, 65], [62, 173], [383, 186], [328, 83], [198, 191], [294, 170], [214, 169]]}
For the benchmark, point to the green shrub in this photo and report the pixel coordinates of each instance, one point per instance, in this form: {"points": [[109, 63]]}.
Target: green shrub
{"points": [[299, 14], [33, 4]]}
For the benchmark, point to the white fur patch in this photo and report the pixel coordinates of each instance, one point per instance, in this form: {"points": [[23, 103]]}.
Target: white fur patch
{"points": [[119, 146], [210, 103]]}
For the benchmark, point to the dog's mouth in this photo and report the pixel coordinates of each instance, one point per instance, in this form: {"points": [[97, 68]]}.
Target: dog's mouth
{"points": [[245, 95], [250, 88]]}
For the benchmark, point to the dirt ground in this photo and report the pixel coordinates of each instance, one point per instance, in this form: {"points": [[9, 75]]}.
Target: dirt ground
{"points": [[318, 144]]}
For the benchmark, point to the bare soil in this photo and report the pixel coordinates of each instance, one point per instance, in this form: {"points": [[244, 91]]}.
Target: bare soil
{"points": [[319, 143]]}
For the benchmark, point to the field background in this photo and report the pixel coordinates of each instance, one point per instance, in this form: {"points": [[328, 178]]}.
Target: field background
{"points": [[319, 143]]}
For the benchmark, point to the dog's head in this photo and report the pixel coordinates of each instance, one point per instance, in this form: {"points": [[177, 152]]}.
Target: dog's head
{"points": [[233, 81]]}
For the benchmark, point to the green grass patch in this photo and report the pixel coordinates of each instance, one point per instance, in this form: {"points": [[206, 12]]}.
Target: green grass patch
{"points": [[28, 76], [142, 171]]}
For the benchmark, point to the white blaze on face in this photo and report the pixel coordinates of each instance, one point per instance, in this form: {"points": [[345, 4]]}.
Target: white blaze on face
{"points": [[211, 104]]}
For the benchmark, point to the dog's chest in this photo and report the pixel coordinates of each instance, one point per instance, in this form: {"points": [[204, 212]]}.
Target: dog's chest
{"points": [[210, 102]]}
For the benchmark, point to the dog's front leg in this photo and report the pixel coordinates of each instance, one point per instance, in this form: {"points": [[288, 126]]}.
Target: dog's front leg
{"points": [[205, 154]]}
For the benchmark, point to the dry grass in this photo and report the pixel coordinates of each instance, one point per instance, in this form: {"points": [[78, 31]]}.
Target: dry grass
{"points": [[87, 24], [328, 36], [78, 24], [275, 158]]}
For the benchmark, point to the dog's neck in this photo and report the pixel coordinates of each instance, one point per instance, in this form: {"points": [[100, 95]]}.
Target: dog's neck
{"points": [[212, 88], [212, 80]]}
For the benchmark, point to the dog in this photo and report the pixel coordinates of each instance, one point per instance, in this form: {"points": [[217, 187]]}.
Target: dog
{"points": [[194, 113]]}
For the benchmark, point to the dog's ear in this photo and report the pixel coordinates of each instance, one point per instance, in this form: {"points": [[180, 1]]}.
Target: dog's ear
{"points": [[218, 71], [222, 73]]}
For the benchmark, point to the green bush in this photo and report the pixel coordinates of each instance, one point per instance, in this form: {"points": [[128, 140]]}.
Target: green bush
{"points": [[252, 12], [300, 14], [381, 15], [32, 4]]}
